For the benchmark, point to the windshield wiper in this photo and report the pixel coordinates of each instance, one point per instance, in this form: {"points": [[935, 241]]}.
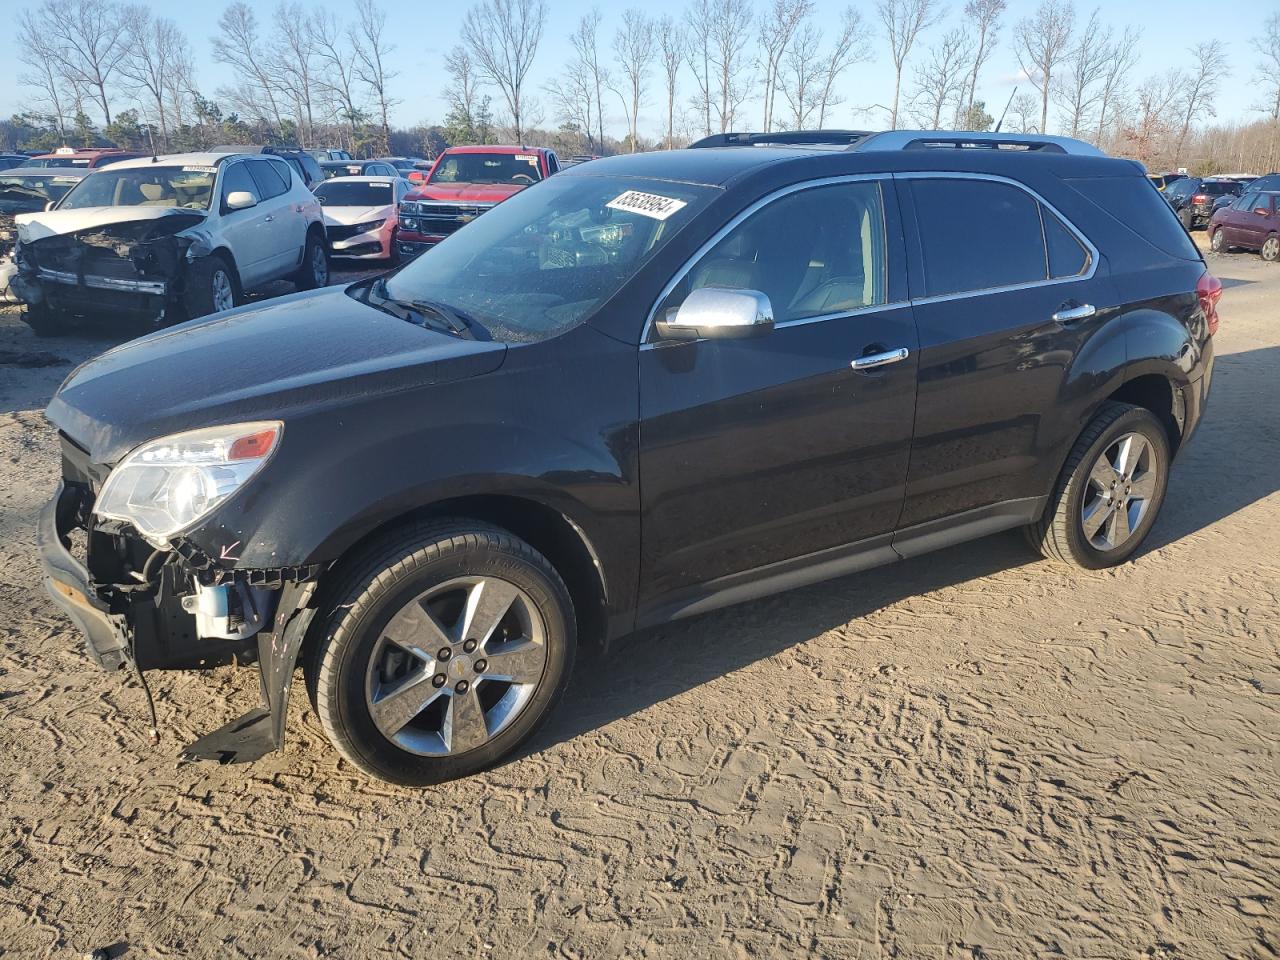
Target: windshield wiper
{"points": [[424, 313]]}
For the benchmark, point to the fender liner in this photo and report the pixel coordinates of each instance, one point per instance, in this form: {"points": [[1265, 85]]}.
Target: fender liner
{"points": [[261, 730]]}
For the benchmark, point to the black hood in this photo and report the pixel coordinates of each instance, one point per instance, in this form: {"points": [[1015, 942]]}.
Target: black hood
{"points": [[300, 353]]}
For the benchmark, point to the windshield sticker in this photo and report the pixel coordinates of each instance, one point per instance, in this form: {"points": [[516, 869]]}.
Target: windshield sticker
{"points": [[528, 158], [646, 204], [66, 179], [195, 168]]}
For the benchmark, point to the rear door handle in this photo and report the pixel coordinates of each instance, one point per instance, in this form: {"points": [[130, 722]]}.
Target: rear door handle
{"points": [[1074, 314], [873, 360]]}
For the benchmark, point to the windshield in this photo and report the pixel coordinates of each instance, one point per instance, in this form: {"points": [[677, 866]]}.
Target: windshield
{"points": [[188, 187], [541, 262], [31, 191], [518, 168], [1216, 188], [347, 193]]}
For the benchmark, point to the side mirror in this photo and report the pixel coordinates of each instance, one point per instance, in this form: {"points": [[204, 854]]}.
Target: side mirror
{"points": [[51, 204], [718, 312], [241, 200], [1262, 211]]}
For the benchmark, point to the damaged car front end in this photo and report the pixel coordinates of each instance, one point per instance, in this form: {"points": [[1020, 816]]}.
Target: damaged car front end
{"points": [[145, 598], [135, 267]]}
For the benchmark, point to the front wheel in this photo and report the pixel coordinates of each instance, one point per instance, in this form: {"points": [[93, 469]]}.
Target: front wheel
{"points": [[1110, 491], [46, 321], [1270, 249], [1218, 242], [212, 286], [442, 652]]}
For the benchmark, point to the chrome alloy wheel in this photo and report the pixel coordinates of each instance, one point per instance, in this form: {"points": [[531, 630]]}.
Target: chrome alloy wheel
{"points": [[319, 265], [1122, 484], [1271, 248], [456, 665], [224, 297]]}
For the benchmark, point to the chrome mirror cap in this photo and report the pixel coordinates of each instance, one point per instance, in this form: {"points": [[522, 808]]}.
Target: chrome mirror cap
{"points": [[718, 312]]}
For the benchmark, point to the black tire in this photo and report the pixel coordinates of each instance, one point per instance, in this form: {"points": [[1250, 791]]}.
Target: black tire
{"points": [[204, 288], [394, 259], [1059, 534], [375, 588], [1187, 221], [311, 275], [46, 321]]}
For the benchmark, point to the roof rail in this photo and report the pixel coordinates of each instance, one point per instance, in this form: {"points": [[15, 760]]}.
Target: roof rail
{"points": [[965, 140], [835, 138]]}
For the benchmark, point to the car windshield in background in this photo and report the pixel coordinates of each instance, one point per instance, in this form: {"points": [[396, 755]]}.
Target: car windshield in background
{"points": [[1216, 188], [338, 193], [187, 187], [31, 191], [541, 262], [521, 168]]}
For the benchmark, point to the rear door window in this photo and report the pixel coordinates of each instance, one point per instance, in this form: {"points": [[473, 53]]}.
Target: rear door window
{"points": [[1246, 202], [270, 180], [977, 235]]}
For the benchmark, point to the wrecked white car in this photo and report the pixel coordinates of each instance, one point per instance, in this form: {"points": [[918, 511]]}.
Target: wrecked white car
{"points": [[26, 190], [166, 239]]}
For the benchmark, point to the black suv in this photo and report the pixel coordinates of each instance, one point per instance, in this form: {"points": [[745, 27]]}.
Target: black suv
{"points": [[1192, 198], [650, 387]]}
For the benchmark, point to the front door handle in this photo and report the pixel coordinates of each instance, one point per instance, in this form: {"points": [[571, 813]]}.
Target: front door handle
{"points": [[873, 360], [268, 219], [1074, 314]]}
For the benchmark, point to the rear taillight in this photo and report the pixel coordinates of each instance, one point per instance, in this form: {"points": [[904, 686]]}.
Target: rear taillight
{"points": [[1200, 198], [1208, 292]]}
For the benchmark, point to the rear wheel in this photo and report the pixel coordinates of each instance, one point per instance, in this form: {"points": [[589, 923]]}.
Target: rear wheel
{"points": [[442, 652], [1271, 249], [314, 272], [1110, 491], [1185, 216]]}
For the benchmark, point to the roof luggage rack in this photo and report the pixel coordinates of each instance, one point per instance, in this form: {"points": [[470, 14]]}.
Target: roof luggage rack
{"points": [[783, 138], [863, 140]]}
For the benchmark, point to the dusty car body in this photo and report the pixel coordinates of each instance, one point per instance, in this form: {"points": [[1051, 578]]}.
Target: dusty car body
{"points": [[165, 239]]}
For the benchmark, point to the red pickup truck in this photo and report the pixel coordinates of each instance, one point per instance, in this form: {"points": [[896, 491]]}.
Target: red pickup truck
{"points": [[463, 183]]}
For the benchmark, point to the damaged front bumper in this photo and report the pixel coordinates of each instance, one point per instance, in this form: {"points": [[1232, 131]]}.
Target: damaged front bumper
{"points": [[139, 612]]}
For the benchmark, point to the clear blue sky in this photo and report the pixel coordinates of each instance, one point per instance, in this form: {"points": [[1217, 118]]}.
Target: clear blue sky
{"points": [[423, 31]]}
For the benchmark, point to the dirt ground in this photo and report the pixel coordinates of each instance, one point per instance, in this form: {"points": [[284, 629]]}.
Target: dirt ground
{"points": [[975, 754]]}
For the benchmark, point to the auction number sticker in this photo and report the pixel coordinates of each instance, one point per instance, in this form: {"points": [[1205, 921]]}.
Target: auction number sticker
{"points": [[198, 168], [651, 205]]}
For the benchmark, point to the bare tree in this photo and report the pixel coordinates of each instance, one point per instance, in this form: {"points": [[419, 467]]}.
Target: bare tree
{"points": [[850, 47], [41, 57], [293, 61], [984, 20], [1042, 42], [777, 26], [337, 80], [635, 46], [1268, 79], [464, 85], [698, 20], [1022, 114], [730, 31], [1154, 114], [156, 48], [670, 56], [1083, 76], [372, 48], [1201, 87], [89, 38], [903, 21], [239, 45], [586, 48], [1122, 54], [503, 36], [940, 81]]}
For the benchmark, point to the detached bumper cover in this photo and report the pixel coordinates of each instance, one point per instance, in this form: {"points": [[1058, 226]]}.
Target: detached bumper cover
{"points": [[66, 579]]}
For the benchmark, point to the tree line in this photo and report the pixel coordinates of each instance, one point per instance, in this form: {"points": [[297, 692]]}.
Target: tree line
{"points": [[115, 71]]}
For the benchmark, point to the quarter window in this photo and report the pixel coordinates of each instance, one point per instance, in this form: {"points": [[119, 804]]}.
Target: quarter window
{"points": [[1067, 258], [814, 252]]}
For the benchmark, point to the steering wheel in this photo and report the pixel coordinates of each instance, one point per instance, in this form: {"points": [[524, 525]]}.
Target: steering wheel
{"points": [[524, 176]]}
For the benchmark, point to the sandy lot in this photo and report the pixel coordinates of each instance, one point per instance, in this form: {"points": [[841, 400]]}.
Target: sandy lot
{"points": [[976, 754]]}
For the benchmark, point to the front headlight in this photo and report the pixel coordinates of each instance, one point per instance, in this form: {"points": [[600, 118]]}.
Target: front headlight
{"points": [[166, 485], [370, 225], [411, 207]]}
